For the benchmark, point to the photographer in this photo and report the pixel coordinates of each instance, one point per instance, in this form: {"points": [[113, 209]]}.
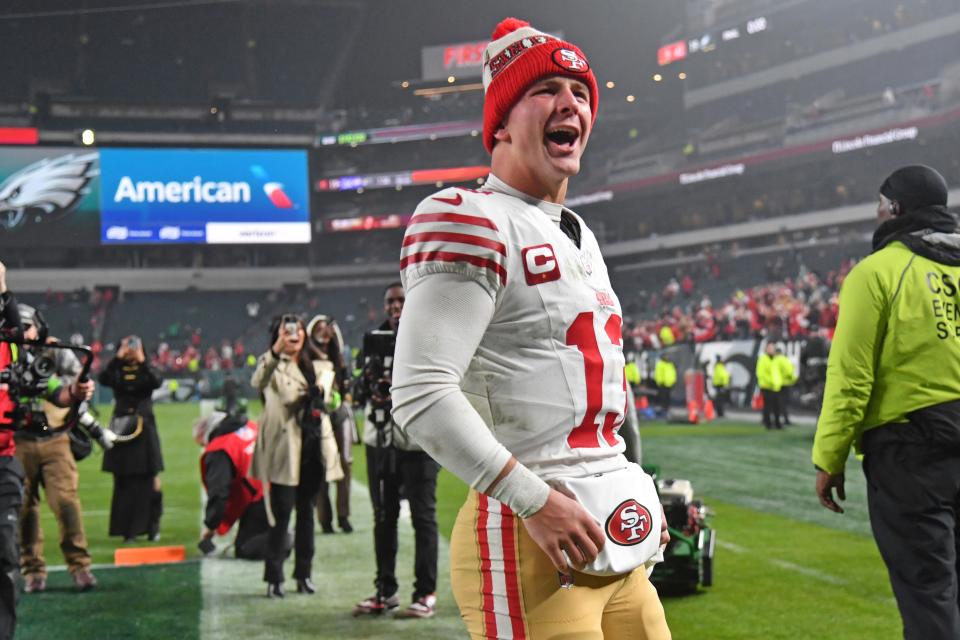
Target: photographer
{"points": [[395, 462], [288, 451], [136, 458], [11, 471], [44, 450], [326, 343], [227, 436]]}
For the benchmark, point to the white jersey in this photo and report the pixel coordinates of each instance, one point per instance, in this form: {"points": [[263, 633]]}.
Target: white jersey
{"points": [[547, 377]]}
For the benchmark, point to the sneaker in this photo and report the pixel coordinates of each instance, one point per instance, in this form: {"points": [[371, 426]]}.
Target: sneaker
{"points": [[375, 606], [84, 580], [422, 607], [35, 584]]}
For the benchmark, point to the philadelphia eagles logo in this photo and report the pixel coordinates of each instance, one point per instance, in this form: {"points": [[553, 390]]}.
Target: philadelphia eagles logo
{"points": [[46, 189]]}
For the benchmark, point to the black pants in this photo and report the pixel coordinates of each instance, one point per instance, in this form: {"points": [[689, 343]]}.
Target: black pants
{"points": [[721, 397], [11, 499], [784, 397], [913, 492], [771, 409], [252, 533], [283, 500], [416, 473], [663, 398]]}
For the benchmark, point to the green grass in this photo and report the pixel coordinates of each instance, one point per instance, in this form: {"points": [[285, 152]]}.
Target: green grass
{"points": [[146, 603], [180, 483], [785, 566]]}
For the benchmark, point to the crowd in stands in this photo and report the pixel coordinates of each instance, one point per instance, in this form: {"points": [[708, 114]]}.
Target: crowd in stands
{"points": [[785, 307]]}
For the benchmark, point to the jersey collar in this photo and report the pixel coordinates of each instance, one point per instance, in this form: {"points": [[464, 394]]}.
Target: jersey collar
{"points": [[552, 209]]}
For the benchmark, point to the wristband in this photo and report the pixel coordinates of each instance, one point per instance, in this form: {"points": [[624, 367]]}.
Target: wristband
{"points": [[522, 490]]}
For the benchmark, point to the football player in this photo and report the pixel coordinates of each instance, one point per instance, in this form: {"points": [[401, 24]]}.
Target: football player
{"points": [[510, 372]]}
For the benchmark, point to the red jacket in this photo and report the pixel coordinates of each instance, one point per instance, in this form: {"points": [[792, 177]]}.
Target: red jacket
{"points": [[244, 490], [7, 405]]}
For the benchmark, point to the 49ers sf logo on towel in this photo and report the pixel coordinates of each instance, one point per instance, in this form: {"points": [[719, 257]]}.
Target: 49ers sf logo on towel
{"points": [[629, 524]]}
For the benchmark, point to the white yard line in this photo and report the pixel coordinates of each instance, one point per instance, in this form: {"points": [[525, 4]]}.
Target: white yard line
{"points": [[235, 605], [816, 574]]}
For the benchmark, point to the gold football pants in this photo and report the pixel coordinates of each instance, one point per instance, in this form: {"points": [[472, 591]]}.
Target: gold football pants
{"points": [[507, 588]]}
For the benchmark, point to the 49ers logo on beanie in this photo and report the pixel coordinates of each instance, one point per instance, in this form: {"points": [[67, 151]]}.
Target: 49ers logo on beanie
{"points": [[629, 524], [571, 61], [518, 55]]}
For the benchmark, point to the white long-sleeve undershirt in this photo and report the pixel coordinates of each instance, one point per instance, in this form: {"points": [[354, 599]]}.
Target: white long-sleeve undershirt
{"points": [[444, 319]]}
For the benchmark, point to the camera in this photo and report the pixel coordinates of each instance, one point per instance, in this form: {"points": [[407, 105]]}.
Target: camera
{"points": [[291, 325], [377, 368], [28, 377], [133, 342]]}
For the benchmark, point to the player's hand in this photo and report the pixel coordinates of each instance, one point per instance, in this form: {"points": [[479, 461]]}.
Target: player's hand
{"points": [[563, 525], [664, 532], [826, 483]]}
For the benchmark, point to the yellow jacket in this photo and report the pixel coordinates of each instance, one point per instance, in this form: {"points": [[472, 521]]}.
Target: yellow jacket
{"points": [[787, 372], [721, 377], [665, 373], [769, 375]]}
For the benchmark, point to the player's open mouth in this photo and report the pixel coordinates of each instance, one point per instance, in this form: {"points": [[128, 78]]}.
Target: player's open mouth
{"points": [[561, 139]]}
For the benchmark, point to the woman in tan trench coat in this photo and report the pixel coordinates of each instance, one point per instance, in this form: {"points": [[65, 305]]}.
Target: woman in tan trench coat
{"points": [[293, 452]]}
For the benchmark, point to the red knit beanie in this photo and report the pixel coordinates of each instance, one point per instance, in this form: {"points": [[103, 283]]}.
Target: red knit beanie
{"points": [[519, 55]]}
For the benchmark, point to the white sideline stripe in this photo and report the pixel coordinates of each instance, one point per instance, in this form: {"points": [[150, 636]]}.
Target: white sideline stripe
{"points": [[102, 566], [789, 566], [807, 571], [233, 590]]}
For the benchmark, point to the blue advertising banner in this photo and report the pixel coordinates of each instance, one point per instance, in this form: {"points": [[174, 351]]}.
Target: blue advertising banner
{"points": [[213, 196]]}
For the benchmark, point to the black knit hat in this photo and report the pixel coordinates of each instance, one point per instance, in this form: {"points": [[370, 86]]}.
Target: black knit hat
{"points": [[915, 186]]}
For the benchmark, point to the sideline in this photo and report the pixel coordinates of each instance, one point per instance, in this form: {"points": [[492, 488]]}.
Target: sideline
{"points": [[235, 606]]}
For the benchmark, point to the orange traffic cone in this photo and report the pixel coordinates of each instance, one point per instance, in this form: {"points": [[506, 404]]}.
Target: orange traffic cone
{"points": [[643, 403], [708, 411], [757, 403], [693, 416]]}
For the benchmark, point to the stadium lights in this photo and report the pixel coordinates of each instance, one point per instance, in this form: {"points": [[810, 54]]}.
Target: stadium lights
{"points": [[611, 84], [451, 79], [657, 77], [88, 137], [631, 98], [405, 84], [682, 75]]}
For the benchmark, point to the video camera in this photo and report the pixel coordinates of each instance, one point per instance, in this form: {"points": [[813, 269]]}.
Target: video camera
{"points": [[376, 375], [27, 377]]}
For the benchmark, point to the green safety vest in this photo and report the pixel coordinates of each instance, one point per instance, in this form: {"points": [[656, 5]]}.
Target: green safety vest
{"points": [[721, 377], [896, 349], [665, 374], [768, 373]]}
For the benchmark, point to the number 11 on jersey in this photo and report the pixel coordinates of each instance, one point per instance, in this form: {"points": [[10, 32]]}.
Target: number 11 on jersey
{"points": [[582, 335]]}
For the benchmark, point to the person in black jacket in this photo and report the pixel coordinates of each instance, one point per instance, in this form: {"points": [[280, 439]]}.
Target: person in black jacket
{"points": [[137, 502]]}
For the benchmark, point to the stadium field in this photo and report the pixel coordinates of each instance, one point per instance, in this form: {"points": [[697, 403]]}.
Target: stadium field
{"points": [[785, 566]]}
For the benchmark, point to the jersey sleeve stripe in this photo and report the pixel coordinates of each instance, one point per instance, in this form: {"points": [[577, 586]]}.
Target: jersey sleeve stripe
{"points": [[476, 221], [449, 256], [460, 238]]}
